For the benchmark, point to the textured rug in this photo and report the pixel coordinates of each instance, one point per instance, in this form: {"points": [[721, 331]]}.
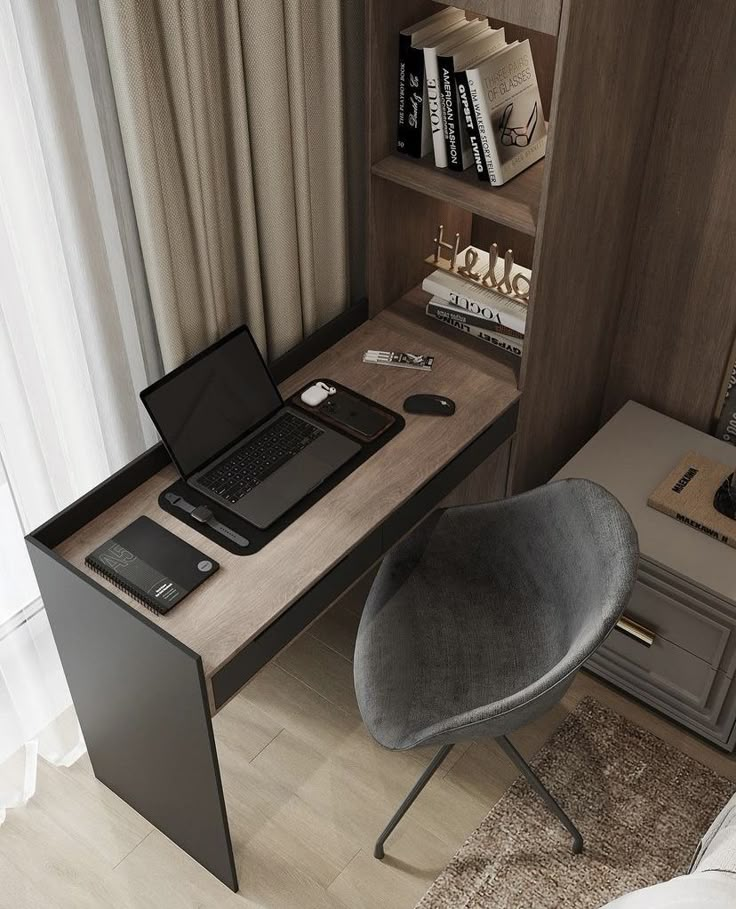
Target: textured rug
{"points": [[640, 804]]}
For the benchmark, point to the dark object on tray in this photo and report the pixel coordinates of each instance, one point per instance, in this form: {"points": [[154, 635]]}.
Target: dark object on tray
{"points": [[358, 417], [257, 538]]}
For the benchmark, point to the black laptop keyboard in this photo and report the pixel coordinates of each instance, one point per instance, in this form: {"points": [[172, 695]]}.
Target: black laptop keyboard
{"points": [[253, 462]]}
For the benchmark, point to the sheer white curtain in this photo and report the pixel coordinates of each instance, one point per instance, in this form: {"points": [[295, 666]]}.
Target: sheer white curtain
{"points": [[76, 341]]}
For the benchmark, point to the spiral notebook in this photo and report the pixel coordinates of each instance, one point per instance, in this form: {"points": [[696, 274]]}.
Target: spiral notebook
{"points": [[151, 564]]}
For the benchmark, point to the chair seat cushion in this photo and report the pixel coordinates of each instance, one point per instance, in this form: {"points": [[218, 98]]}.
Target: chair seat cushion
{"points": [[474, 624]]}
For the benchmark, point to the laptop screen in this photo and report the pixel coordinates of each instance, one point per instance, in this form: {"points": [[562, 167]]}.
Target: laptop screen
{"points": [[212, 400]]}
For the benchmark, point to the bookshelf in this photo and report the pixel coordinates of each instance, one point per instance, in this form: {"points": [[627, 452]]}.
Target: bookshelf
{"points": [[570, 217]]}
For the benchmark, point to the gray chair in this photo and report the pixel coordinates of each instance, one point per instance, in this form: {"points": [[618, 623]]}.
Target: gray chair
{"points": [[478, 621]]}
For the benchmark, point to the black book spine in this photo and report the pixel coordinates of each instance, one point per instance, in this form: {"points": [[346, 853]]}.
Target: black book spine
{"points": [[404, 46], [414, 101], [468, 114], [449, 99]]}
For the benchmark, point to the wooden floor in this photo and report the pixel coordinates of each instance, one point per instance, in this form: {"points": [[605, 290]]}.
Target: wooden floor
{"points": [[307, 792]]}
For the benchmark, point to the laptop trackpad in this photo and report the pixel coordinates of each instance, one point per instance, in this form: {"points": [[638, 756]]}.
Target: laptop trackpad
{"points": [[290, 483]]}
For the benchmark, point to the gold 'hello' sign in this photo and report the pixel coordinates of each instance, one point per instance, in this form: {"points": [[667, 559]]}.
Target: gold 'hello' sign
{"points": [[481, 268]]}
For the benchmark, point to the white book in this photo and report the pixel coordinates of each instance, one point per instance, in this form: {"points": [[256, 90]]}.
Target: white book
{"points": [[511, 345], [477, 300], [475, 89], [435, 107], [506, 101], [449, 45]]}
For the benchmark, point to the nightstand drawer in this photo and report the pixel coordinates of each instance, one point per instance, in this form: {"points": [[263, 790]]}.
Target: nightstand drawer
{"points": [[663, 670], [691, 619], [677, 683]]}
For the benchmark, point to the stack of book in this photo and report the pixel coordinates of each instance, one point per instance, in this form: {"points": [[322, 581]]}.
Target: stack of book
{"points": [[478, 311], [469, 97]]}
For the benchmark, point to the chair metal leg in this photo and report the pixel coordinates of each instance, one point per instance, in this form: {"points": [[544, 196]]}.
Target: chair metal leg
{"points": [[406, 804], [536, 784]]}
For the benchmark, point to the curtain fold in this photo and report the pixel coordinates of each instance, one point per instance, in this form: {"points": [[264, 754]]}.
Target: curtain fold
{"points": [[234, 121], [75, 342]]}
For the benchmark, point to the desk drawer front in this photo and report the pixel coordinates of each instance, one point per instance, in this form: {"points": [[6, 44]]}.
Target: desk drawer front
{"points": [[690, 619]]}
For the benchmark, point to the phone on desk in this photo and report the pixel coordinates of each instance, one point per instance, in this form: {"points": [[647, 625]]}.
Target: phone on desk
{"points": [[355, 416]]}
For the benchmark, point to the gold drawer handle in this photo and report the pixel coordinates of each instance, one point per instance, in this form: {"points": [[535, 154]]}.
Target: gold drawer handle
{"points": [[637, 632]]}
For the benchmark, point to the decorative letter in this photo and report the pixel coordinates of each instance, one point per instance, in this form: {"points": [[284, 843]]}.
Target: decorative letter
{"points": [[471, 260], [490, 276], [440, 245]]}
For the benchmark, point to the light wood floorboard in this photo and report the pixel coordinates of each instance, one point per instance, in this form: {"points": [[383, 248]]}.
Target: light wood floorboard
{"points": [[307, 790]]}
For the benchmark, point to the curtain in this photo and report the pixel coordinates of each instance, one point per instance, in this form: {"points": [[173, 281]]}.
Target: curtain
{"points": [[246, 178], [76, 342]]}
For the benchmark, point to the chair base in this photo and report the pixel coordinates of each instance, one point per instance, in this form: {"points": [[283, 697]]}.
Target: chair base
{"points": [[408, 801], [514, 756]]}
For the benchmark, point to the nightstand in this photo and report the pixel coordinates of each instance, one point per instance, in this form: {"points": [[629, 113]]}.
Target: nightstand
{"points": [[676, 648]]}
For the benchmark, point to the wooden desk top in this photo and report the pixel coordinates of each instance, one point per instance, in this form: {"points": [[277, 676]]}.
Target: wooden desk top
{"points": [[249, 592]]}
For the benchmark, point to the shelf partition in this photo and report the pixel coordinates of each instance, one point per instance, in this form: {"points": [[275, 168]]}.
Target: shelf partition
{"points": [[515, 204]]}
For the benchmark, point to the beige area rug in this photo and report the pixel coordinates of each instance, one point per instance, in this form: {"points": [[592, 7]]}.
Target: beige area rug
{"points": [[640, 804]]}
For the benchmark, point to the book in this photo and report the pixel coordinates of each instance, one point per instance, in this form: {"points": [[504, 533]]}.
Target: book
{"points": [[467, 108], [511, 345], [151, 564], [508, 110], [687, 493], [435, 107], [444, 53], [413, 132], [444, 310], [460, 153], [476, 300]]}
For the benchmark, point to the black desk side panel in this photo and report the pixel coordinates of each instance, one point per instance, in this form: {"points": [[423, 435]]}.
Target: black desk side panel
{"points": [[142, 704]]}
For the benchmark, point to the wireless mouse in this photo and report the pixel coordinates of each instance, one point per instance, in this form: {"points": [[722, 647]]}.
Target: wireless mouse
{"points": [[434, 405]]}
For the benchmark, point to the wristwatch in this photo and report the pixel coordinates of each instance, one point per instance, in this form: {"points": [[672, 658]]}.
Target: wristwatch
{"points": [[204, 515]]}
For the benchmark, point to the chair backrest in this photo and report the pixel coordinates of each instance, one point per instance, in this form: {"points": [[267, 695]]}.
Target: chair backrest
{"points": [[586, 565]]}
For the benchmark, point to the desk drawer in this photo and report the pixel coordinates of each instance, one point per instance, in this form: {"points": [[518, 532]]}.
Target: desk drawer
{"points": [[678, 614]]}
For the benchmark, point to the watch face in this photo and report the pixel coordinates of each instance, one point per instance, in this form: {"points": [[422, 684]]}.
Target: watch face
{"points": [[202, 513], [205, 565]]}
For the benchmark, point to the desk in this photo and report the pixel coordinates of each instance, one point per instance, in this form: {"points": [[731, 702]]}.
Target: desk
{"points": [[145, 686]]}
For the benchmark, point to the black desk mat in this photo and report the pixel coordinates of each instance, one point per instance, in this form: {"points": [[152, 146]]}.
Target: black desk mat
{"points": [[259, 538]]}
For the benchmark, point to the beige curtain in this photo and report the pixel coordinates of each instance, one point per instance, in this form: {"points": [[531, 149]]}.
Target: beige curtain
{"points": [[233, 114]]}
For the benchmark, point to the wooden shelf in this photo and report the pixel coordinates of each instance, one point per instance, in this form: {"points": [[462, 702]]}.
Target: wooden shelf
{"points": [[432, 337], [540, 15], [515, 204]]}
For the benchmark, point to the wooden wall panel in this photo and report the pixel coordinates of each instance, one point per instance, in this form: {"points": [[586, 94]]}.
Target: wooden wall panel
{"points": [[485, 232], [610, 64], [679, 309], [401, 227]]}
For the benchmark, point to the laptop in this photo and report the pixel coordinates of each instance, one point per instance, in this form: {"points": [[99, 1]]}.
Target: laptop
{"points": [[231, 437]]}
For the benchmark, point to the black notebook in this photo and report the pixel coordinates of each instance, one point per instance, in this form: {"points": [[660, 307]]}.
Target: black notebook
{"points": [[151, 564]]}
